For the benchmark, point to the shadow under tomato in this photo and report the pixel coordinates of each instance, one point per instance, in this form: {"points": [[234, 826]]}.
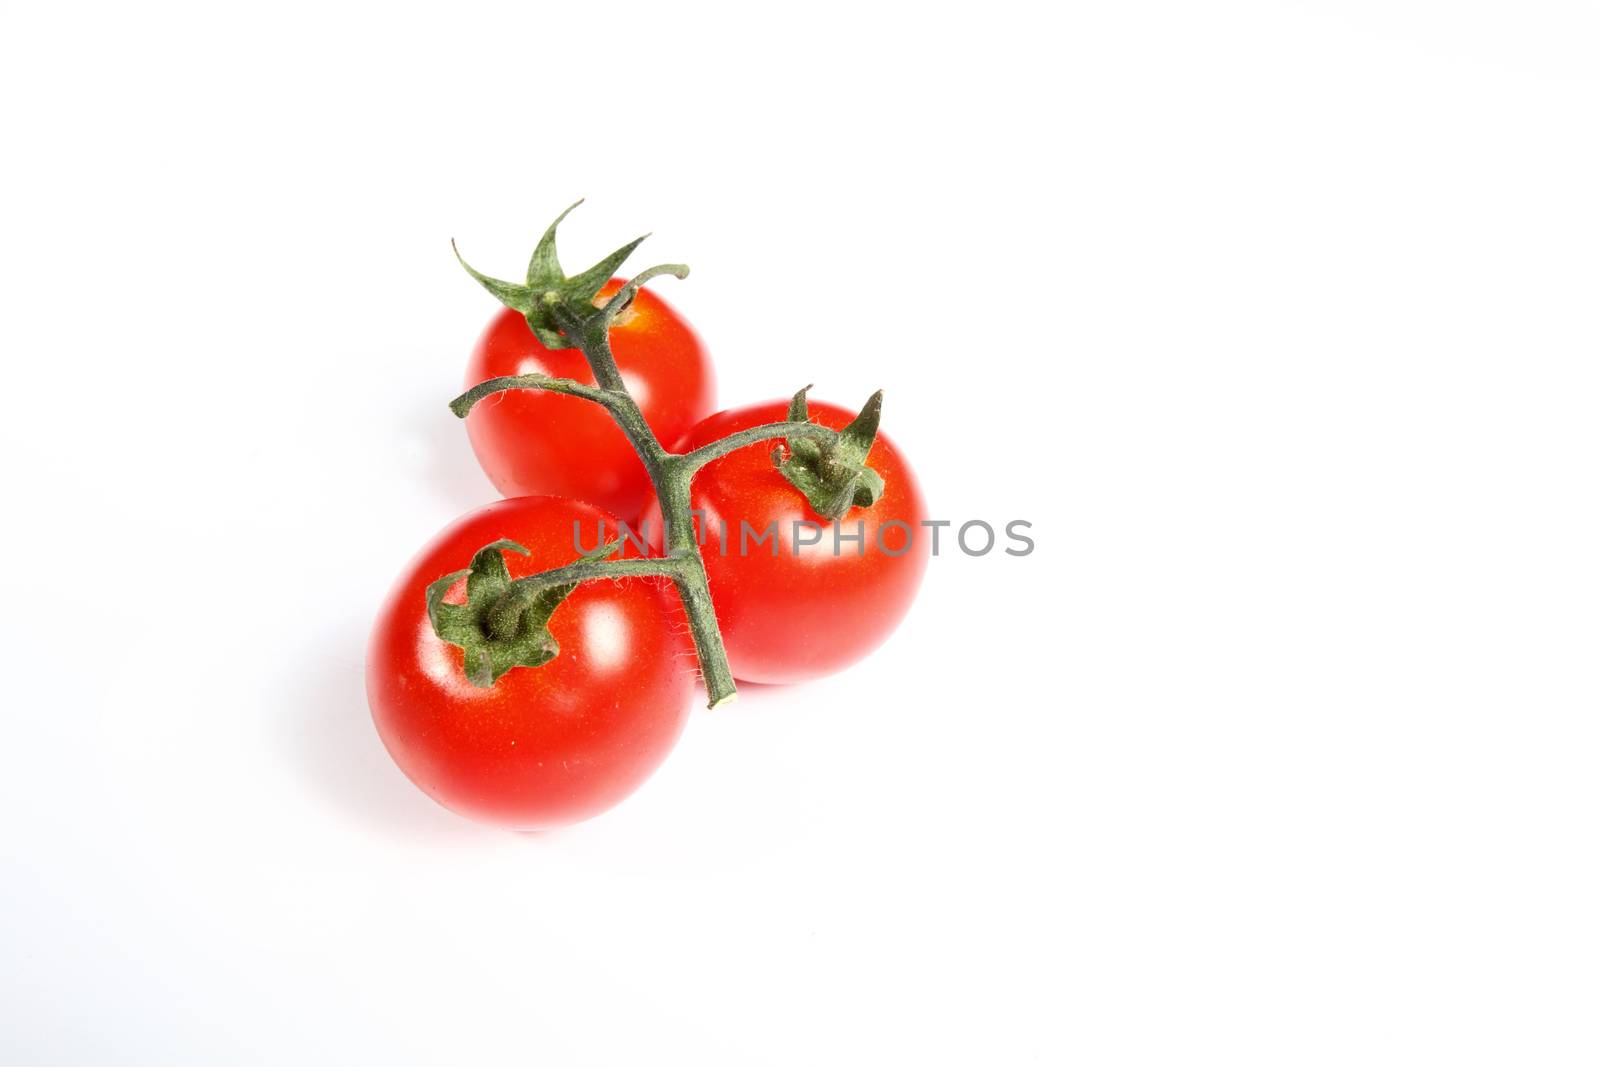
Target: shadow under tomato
{"points": [[331, 740], [449, 469]]}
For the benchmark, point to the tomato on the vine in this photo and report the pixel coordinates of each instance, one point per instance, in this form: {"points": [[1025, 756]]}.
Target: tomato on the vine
{"points": [[790, 609], [532, 442], [541, 746]]}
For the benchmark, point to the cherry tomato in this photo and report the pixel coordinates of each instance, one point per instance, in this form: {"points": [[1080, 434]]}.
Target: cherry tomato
{"points": [[796, 615], [542, 746], [530, 442]]}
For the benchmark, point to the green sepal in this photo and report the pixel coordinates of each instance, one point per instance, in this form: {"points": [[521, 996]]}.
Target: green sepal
{"points": [[548, 286], [798, 410], [833, 475], [544, 269], [581, 289], [517, 297], [855, 440], [503, 624], [802, 448]]}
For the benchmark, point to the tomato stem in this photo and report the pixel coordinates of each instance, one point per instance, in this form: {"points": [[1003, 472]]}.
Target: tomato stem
{"points": [[463, 403], [587, 329], [503, 619], [770, 431], [561, 312]]}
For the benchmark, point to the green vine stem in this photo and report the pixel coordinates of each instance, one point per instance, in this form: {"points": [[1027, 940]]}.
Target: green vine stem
{"points": [[562, 312]]}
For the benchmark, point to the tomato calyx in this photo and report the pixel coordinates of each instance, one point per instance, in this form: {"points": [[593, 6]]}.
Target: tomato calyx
{"points": [[503, 624], [549, 292], [832, 473]]}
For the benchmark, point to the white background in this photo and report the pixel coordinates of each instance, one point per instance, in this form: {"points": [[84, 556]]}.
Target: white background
{"points": [[1277, 320]]}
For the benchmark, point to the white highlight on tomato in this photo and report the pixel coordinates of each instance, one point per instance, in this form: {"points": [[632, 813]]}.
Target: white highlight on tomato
{"points": [[605, 636]]}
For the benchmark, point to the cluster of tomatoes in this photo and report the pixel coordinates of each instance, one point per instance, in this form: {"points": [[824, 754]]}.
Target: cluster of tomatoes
{"points": [[542, 746]]}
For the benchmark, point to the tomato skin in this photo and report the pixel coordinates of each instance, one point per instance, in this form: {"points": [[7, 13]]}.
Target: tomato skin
{"points": [[530, 442], [544, 746], [790, 618]]}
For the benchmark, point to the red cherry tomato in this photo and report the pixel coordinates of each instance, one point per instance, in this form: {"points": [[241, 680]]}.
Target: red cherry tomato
{"points": [[789, 617], [530, 442], [543, 746]]}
